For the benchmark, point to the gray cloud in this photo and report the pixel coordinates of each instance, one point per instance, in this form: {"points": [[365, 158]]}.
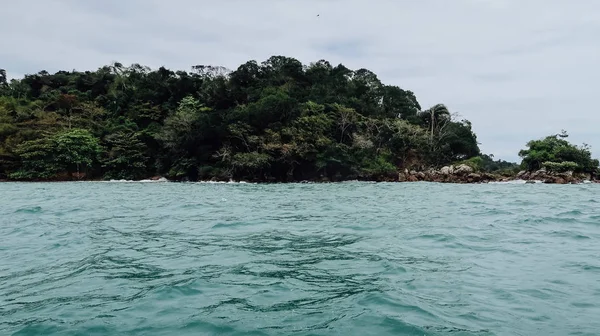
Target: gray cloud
{"points": [[517, 69]]}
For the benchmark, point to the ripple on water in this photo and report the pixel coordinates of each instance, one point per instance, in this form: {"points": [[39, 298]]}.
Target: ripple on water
{"points": [[304, 259], [29, 210]]}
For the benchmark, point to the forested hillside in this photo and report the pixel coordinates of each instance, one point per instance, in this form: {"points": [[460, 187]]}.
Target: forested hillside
{"points": [[278, 120]]}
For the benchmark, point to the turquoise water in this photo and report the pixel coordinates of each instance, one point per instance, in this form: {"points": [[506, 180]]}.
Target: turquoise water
{"points": [[299, 259]]}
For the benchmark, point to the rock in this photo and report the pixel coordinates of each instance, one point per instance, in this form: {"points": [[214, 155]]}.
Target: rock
{"points": [[521, 173], [421, 175], [447, 170], [412, 178], [402, 177], [474, 177], [539, 173], [556, 180], [412, 172], [491, 177], [463, 169], [569, 173], [560, 180], [530, 182], [156, 178]]}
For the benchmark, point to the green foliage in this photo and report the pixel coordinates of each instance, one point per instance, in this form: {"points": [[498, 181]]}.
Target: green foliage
{"points": [[277, 120], [125, 157], [475, 162], [76, 149], [37, 160], [560, 167], [486, 163], [380, 166], [250, 161], [73, 151], [557, 153]]}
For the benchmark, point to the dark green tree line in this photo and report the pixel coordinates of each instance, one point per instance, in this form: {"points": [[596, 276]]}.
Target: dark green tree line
{"points": [[278, 120]]}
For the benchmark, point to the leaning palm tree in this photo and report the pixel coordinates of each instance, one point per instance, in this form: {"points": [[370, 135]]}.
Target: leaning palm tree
{"points": [[435, 116]]}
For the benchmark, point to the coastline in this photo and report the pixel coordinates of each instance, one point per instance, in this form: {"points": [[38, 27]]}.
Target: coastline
{"points": [[443, 175]]}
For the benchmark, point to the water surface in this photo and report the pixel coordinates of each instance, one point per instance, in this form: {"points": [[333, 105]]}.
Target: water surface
{"points": [[299, 259]]}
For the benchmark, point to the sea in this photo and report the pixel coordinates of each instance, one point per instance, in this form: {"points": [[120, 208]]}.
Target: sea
{"points": [[352, 258]]}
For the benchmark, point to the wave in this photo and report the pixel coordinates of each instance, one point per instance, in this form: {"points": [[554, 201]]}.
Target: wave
{"points": [[224, 182], [35, 209], [160, 180], [515, 182]]}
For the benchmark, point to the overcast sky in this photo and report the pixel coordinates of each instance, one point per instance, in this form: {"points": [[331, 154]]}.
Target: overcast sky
{"points": [[517, 69]]}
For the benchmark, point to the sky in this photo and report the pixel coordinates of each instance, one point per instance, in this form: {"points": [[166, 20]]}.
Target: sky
{"points": [[517, 69]]}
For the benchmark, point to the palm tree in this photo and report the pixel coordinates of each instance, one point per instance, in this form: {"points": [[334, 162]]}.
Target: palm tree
{"points": [[435, 115]]}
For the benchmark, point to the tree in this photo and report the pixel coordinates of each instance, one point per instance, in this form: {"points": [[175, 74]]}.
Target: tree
{"points": [[3, 82], [125, 157], [69, 152], [557, 153], [346, 119], [275, 120], [76, 150], [187, 138], [435, 117], [37, 160]]}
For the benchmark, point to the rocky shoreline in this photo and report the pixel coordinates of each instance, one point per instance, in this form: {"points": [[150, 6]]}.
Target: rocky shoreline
{"points": [[462, 174], [465, 174]]}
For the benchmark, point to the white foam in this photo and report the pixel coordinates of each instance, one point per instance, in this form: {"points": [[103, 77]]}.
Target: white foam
{"points": [[162, 179], [512, 182], [224, 182]]}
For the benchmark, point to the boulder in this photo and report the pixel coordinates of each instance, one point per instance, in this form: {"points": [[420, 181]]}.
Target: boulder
{"points": [[463, 169], [490, 177], [525, 176], [474, 177], [556, 180], [412, 178], [539, 173], [421, 175], [447, 170], [521, 173]]}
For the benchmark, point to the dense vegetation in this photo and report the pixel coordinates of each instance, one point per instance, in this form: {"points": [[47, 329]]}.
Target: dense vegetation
{"points": [[486, 163], [555, 154], [278, 120]]}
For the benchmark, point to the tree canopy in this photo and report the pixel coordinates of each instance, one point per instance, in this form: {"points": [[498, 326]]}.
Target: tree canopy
{"points": [[555, 153], [278, 120]]}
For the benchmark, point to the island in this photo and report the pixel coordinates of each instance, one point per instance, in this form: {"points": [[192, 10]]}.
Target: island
{"points": [[274, 121]]}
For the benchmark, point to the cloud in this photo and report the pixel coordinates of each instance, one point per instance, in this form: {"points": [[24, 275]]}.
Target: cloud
{"points": [[517, 69]]}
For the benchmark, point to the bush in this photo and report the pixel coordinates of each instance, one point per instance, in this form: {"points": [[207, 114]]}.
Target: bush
{"points": [[556, 153], [475, 162], [560, 167]]}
